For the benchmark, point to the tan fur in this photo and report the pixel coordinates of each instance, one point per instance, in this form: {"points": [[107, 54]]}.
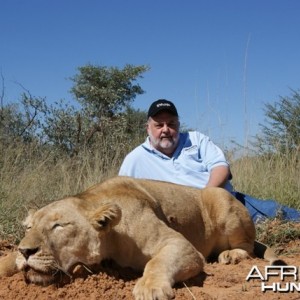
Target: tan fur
{"points": [[165, 229], [8, 264]]}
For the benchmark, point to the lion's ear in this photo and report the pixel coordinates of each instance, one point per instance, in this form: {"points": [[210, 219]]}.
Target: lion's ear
{"points": [[106, 217]]}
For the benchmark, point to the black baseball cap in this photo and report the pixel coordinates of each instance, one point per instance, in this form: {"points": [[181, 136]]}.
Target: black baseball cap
{"points": [[162, 104]]}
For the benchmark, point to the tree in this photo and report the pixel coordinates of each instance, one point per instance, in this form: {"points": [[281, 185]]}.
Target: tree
{"points": [[22, 121], [60, 126], [105, 94], [105, 91], [282, 130]]}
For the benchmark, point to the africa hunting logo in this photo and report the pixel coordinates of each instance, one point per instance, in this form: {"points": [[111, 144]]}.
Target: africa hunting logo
{"points": [[278, 279]]}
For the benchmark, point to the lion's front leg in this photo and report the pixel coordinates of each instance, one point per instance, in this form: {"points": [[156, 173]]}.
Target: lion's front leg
{"points": [[176, 261]]}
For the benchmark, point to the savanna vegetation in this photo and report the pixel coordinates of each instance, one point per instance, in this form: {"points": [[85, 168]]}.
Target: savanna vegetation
{"points": [[52, 150]]}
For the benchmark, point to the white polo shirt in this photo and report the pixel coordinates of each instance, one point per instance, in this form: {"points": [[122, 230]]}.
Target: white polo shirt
{"points": [[194, 158]]}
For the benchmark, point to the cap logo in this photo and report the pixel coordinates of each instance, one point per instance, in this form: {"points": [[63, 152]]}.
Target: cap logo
{"points": [[163, 104]]}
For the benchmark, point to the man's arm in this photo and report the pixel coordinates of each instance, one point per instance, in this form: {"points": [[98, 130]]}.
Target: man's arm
{"points": [[219, 176]]}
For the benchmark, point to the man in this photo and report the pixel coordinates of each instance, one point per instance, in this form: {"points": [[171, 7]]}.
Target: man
{"points": [[189, 158]]}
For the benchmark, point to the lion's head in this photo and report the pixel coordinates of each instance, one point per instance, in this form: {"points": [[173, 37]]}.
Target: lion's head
{"points": [[60, 236]]}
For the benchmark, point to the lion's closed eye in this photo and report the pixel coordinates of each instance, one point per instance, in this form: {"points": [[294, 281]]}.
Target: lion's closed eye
{"points": [[58, 226]]}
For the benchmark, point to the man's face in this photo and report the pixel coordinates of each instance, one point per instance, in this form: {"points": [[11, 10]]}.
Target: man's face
{"points": [[163, 131]]}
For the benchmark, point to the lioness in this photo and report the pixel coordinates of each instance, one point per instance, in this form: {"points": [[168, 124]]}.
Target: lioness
{"points": [[165, 229]]}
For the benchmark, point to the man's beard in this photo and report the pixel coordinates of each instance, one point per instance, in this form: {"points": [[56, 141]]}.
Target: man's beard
{"points": [[165, 144]]}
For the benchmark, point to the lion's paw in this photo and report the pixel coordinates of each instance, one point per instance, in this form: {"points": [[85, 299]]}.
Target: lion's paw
{"points": [[233, 256], [152, 289]]}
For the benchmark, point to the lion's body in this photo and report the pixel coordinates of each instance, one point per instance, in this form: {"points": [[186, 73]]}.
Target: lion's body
{"points": [[165, 229]]}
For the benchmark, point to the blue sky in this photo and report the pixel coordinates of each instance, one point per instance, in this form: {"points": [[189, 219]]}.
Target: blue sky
{"points": [[217, 60]]}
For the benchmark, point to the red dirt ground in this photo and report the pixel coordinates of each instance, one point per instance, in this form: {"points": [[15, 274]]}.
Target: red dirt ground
{"points": [[216, 282]]}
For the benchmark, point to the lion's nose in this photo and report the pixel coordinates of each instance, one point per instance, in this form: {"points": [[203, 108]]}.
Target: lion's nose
{"points": [[27, 252]]}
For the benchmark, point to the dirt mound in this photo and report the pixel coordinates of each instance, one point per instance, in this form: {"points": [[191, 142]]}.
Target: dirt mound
{"points": [[216, 282]]}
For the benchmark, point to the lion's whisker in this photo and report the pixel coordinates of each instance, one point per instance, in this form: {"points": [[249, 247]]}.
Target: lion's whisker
{"points": [[59, 268], [88, 269]]}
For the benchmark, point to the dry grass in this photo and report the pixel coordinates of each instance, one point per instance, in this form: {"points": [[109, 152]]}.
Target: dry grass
{"points": [[269, 177], [277, 233], [31, 177]]}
